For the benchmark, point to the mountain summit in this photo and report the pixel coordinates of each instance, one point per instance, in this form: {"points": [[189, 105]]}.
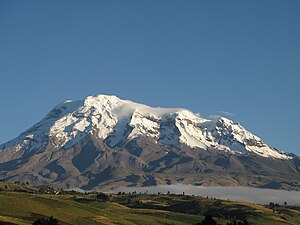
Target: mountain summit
{"points": [[89, 143]]}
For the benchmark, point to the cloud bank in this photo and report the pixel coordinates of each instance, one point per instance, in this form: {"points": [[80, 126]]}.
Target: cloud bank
{"points": [[241, 194]]}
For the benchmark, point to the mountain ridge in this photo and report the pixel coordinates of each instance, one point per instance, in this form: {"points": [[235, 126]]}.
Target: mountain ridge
{"points": [[108, 115]]}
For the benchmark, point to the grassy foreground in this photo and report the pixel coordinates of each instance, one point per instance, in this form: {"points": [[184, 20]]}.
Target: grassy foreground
{"points": [[21, 204]]}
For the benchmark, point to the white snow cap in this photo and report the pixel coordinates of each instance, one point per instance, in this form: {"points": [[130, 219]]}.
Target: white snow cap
{"points": [[119, 121]]}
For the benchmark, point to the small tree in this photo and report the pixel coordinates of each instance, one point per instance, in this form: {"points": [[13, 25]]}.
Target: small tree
{"points": [[285, 203], [208, 220], [271, 205], [246, 222], [103, 197]]}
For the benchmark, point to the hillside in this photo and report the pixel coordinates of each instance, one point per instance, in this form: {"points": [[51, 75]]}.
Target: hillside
{"points": [[135, 208]]}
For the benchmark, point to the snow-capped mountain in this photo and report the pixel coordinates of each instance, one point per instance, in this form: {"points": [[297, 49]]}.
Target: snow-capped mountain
{"points": [[118, 121], [101, 125]]}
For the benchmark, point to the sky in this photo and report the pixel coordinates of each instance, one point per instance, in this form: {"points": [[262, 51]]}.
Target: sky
{"points": [[238, 59]]}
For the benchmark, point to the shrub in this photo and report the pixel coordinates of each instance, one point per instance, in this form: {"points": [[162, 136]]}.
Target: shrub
{"points": [[49, 221]]}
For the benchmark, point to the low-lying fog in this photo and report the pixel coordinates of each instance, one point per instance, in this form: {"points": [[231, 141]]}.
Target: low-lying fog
{"points": [[243, 194]]}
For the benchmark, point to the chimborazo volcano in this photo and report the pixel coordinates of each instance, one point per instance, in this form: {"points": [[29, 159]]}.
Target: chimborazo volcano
{"points": [[103, 142]]}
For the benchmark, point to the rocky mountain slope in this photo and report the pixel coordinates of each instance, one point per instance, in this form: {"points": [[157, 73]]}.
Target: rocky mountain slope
{"points": [[103, 141]]}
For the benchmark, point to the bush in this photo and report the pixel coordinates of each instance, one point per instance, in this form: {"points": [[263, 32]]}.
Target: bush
{"points": [[49, 221]]}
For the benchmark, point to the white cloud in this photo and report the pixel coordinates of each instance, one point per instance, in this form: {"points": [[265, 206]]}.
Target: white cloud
{"points": [[218, 114], [214, 117], [226, 113]]}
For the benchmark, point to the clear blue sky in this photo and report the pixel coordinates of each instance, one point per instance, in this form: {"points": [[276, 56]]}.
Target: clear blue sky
{"points": [[208, 56]]}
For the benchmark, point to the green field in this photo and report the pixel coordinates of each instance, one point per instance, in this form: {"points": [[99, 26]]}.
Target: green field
{"points": [[21, 204]]}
